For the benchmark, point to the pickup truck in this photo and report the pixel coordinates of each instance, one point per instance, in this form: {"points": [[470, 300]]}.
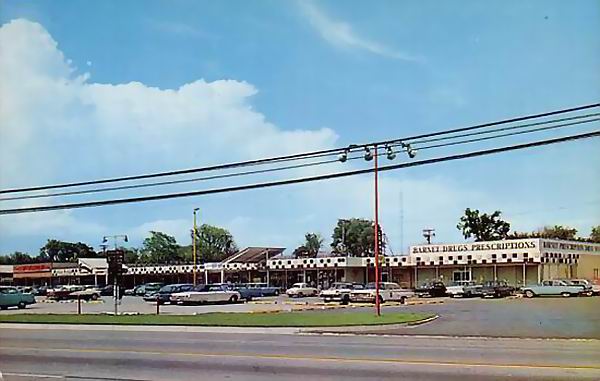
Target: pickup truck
{"points": [[553, 288]]}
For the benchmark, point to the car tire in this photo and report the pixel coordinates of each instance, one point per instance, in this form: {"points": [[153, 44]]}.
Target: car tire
{"points": [[403, 300], [21, 305], [276, 293], [565, 294], [3, 307], [233, 299], [94, 296], [345, 299], [300, 295], [529, 294]]}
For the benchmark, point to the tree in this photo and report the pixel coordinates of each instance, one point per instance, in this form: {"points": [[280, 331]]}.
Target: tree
{"points": [[595, 236], [214, 243], [554, 232], [16, 258], [131, 255], [483, 227], [159, 248], [313, 244], [558, 232], [353, 237], [60, 251]]}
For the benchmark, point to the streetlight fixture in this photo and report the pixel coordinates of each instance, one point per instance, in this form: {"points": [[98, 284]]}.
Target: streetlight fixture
{"points": [[194, 246], [391, 155], [342, 157], [369, 154]]}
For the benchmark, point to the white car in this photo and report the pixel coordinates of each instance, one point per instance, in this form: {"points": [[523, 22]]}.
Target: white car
{"points": [[339, 292], [213, 293], [388, 291], [594, 288], [300, 290], [455, 290]]}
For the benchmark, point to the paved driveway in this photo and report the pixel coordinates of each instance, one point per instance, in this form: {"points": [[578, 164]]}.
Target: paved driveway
{"points": [[538, 317]]}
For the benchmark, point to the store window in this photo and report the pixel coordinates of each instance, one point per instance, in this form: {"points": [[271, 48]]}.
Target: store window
{"points": [[461, 276]]}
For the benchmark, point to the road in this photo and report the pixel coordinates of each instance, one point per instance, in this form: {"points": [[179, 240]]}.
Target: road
{"points": [[100, 355]]}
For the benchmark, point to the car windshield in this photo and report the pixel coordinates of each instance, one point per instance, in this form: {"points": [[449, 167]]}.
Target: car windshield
{"points": [[297, 285], [371, 286]]}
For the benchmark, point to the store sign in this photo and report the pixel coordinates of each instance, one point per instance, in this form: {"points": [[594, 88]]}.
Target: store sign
{"points": [[572, 246], [475, 246], [33, 268]]}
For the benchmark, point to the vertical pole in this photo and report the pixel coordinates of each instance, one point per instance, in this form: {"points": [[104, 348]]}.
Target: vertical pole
{"points": [[157, 306], [115, 293], [524, 274], [194, 249], [376, 230], [267, 266], [78, 304], [539, 271]]}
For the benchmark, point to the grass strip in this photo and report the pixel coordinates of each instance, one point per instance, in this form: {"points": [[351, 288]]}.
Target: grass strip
{"points": [[225, 319]]}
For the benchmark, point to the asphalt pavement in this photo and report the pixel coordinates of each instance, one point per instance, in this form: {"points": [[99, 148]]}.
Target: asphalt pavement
{"points": [[33, 354], [524, 318]]}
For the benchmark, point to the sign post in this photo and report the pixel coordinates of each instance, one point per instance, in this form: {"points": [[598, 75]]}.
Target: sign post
{"points": [[115, 258]]}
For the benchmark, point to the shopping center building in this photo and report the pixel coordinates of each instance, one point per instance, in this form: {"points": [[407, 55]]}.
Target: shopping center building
{"points": [[517, 261]]}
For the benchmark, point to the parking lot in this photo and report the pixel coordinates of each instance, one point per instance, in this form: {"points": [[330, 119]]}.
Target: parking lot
{"points": [[506, 317]]}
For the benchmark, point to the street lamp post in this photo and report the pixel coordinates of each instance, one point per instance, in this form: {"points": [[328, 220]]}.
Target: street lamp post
{"points": [[194, 246], [376, 231]]}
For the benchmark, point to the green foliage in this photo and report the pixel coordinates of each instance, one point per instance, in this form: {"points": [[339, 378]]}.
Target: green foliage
{"points": [[60, 251], [159, 248], [214, 244], [310, 248], [483, 227], [553, 232], [354, 237], [595, 236], [17, 258]]}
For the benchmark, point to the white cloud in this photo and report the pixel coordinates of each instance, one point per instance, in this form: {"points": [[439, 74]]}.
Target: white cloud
{"points": [[58, 125], [341, 34]]}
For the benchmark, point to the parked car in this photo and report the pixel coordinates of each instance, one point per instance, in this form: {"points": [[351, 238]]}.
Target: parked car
{"points": [[148, 288], [40, 291], [553, 288], [246, 293], [262, 289], [388, 291], [74, 292], [163, 295], [464, 290], [212, 293], [12, 297], [108, 291], [591, 288], [433, 289], [496, 289], [299, 290], [340, 292]]}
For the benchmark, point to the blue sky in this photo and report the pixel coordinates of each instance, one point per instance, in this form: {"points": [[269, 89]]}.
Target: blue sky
{"points": [[100, 89]]}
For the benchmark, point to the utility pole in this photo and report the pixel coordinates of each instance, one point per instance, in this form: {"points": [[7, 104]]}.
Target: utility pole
{"points": [[428, 234]]}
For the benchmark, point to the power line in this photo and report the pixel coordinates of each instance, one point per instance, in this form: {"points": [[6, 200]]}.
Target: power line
{"points": [[305, 155], [491, 151], [297, 166]]}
